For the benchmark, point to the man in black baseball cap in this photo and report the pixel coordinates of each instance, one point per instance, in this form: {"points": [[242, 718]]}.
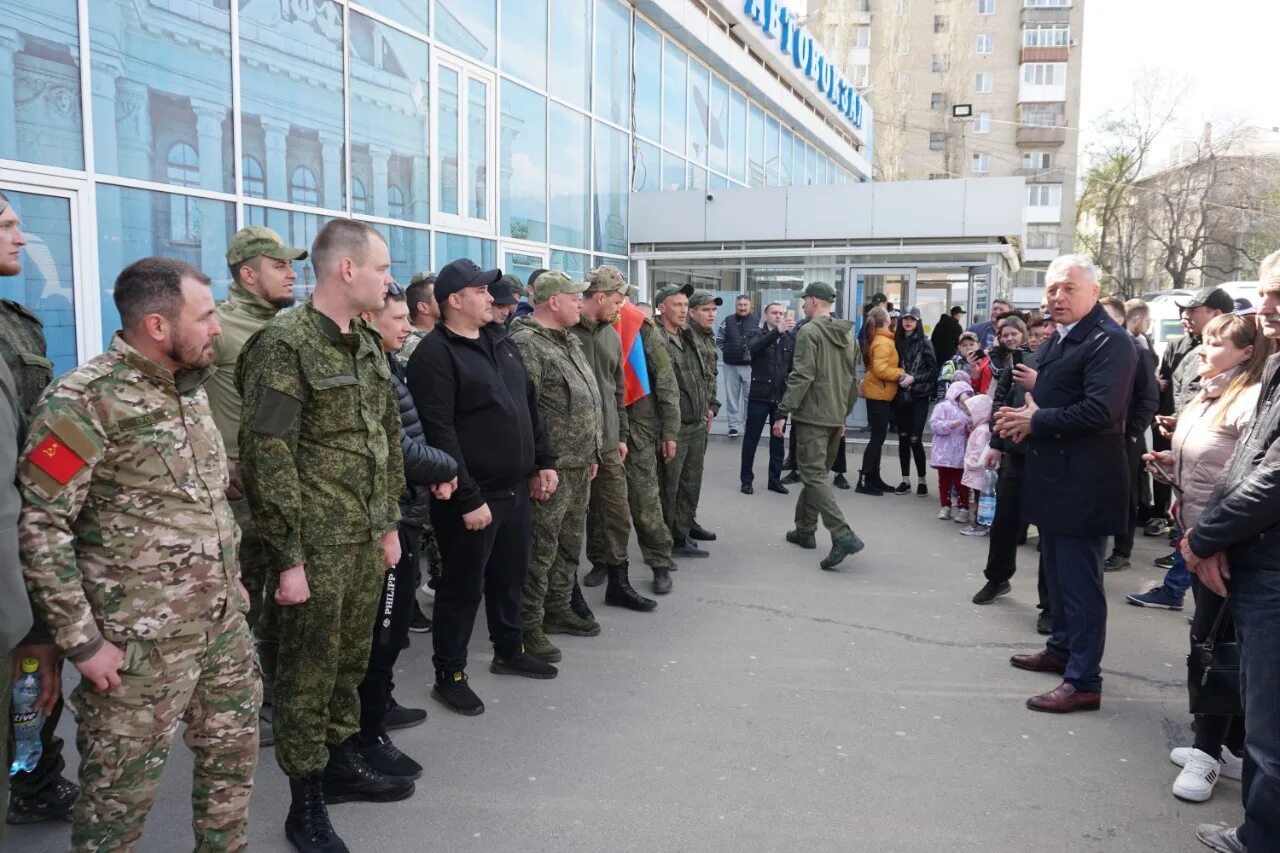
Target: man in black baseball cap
{"points": [[506, 293], [1213, 298]]}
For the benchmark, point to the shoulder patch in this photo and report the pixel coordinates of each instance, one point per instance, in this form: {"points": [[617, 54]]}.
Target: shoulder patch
{"points": [[56, 459]]}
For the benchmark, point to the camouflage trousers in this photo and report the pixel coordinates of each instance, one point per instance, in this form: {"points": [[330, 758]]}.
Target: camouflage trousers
{"points": [[608, 514], [255, 574], [324, 652], [682, 480], [644, 496], [558, 524], [816, 450], [209, 682]]}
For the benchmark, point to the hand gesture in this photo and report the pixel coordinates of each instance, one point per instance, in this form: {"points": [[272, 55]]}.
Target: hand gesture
{"points": [[1016, 423], [292, 588], [1025, 376], [103, 669]]}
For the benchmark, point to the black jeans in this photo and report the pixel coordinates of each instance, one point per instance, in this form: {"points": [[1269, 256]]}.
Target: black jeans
{"points": [[760, 416], [390, 637], [878, 415], [911, 420], [1134, 451], [491, 562], [1006, 527]]}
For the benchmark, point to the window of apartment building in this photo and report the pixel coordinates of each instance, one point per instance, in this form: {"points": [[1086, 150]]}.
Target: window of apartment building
{"points": [[980, 163], [939, 23], [937, 101], [986, 44], [1043, 115], [983, 82], [1044, 195], [1051, 3], [862, 37], [982, 123], [1043, 236], [936, 141], [900, 44], [1045, 73], [860, 75], [941, 62], [1046, 35], [1037, 159], [1027, 277], [986, 7]]}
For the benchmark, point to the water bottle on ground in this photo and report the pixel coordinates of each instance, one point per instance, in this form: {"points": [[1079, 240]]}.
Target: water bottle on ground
{"points": [[28, 720], [987, 500]]}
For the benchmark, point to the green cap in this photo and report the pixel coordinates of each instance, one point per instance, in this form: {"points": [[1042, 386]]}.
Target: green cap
{"points": [[820, 290], [704, 297], [671, 290], [605, 279], [257, 240], [550, 284], [30, 665]]}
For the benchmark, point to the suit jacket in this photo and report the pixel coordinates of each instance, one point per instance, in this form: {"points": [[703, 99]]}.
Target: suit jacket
{"points": [[1077, 474]]}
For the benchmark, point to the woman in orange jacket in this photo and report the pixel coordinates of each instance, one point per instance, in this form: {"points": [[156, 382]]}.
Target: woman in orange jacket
{"points": [[878, 389]]}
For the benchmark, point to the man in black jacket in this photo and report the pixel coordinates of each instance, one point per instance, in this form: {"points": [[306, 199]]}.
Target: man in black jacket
{"points": [[734, 339], [1076, 490], [946, 335], [478, 405], [771, 355], [1235, 548]]}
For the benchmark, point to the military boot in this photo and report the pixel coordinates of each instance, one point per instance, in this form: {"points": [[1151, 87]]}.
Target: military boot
{"points": [[347, 778], [578, 604], [568, 622], [620, 593], [697, 531], [307, 827], [845, 546], [662, 581], [803, 538], [537, 645], [595, 577]]}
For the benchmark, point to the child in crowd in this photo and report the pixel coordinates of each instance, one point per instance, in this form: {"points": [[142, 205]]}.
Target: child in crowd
{"points": [[978, 373], [979, 407], [950, 425]]}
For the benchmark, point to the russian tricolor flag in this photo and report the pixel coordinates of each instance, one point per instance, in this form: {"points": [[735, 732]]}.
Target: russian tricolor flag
{"points": [[635, 369]]}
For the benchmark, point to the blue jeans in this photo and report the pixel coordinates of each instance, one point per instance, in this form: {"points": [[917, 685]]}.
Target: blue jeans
{"points": [[1073, 576], [1178, 580], [1255, 603]]}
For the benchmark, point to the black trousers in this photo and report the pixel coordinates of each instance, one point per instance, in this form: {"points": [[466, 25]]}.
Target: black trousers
{"points": [[879, 413], [491, 563], [911, 420], [760, 416], [1134, 450], [1213, 731], [1007, 528], [390, 637], [840, 466]]}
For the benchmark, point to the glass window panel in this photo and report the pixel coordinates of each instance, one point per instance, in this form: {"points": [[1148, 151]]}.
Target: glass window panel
{"points": [[771, 151], [571, 164], [468, 26], [292, 120], [787, 158], [448, 118], [698, 100], [647, 174], [134, 224], [41, 106], [410, 251], [450, 247], [697, 177], [674, 72], [718, 125], [613, 61], [411, 13], [297, 229], [359, 197], [478, 149], [737, 135], [611, 185], [755, 148], [389, 140], [648, 72], [524, 41], [522, 173], [46, 282], [718, 182], [521, 265], [571, 264], [570, 39], [810, 164], [157, 87], [674, 172]]}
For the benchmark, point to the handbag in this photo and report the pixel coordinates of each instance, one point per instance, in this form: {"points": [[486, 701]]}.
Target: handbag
{"points": [[1213, 674]]}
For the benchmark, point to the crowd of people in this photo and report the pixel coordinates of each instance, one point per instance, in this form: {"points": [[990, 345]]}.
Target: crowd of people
{"points": [[224, 520]]}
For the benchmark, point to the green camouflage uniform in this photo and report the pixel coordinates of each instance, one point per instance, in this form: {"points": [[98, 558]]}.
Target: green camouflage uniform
{"points": [[410, 344], [705, 342], [127, 537], [321, 461], [651, 420], [569, 402], [683, 475]]}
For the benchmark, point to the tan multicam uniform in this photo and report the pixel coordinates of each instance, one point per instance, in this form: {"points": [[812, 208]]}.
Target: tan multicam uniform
{"points": [[126, 536]]}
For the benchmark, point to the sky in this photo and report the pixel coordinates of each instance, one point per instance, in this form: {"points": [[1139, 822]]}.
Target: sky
{"points": [[1226, 48]]}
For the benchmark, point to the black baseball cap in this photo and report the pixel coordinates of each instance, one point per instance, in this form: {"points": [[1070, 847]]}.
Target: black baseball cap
{"points": [[1210, 297], [461, 274], [957, 309], [506, 290]]}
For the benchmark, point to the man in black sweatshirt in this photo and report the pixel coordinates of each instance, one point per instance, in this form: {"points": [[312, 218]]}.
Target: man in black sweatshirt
{"points": [[478, 405]]}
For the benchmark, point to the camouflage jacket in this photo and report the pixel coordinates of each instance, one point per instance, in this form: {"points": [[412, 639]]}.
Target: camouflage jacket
{"points": [[691, 374], [568, 396], [319, 436], [126, 532], [660, 409], [705, 342], [22, 346], [411, 344], [242, 314], [603, 349]]}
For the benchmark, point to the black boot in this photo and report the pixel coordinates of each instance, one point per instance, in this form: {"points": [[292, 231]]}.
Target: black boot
{"points": [[347, 778], [307, 827], [662, 581], [578, 604], [619, 592], [840, 482], [700, 533], [595, 577], [866, 486]]}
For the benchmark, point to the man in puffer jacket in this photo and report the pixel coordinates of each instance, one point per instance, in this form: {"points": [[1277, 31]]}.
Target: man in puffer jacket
{"points": [[427, 471]]}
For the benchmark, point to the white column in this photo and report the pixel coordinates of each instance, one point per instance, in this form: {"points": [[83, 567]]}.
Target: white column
{"points": [[213, 219], [276, 133], [331, 156], [133, 124], [105, 72], [381, 158]]}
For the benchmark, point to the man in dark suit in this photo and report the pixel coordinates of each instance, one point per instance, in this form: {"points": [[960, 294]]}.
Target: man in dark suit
{"points": [[1077, 475]]}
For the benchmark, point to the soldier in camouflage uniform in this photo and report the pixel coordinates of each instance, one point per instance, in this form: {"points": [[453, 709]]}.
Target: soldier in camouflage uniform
{"points": [[702, 320], [322, 466], [424, 313], [129, 551], [41, 793], [569, 401], [653, 427], [262, 277]]}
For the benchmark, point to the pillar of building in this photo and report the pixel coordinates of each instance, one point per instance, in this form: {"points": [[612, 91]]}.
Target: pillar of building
{"points": [[419, 190], [104, 73], [381, 158], [331, 157], [276, 136], [213, 214]]}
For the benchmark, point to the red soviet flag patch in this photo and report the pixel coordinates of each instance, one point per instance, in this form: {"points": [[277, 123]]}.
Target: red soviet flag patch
{"points": [[56, 459]]}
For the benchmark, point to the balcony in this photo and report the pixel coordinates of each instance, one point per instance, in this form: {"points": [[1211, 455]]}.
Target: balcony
{"points": [[1041, 135], [1045, 54], [1046, 15], [1040, 176], [1034, 255]]}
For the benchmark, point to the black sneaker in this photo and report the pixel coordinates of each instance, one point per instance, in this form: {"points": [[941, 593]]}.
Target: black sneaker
{"points": [[382, 756], [347, 778], [904, 488], [746, 489], [700, 533], [452, 691], [1115, 562], [1157, 527], [1165, 563], [791, 479], [522, 664], [52, 802], [400, 717], [418, 622], [1044, 623], [733, 433], [688, 549], [775, 486], [991, 591], [922, 490], [841, 482]]}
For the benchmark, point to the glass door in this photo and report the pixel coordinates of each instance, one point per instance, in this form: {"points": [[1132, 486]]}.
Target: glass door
{"points": [[464, 135], [521, 261]]}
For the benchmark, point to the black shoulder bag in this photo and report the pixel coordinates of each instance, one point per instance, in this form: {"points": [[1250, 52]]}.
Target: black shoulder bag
{"points": [[1213, 673]]}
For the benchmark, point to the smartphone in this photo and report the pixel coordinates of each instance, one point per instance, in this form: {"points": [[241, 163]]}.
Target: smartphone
{"points": [[791, 314], [1017, 357], [1164, 472]]}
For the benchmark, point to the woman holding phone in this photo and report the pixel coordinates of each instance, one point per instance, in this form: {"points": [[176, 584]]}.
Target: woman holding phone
{"points": [[1232, 359]]}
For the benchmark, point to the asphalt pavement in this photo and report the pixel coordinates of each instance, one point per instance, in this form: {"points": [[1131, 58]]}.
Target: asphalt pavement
{"points": [[767, 705]]}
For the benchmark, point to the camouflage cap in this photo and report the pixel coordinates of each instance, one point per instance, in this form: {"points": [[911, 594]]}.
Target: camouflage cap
{"points": [[258, 240], [704, 297], [670, 290], [552, 283], [424, 277], [605, 279]]}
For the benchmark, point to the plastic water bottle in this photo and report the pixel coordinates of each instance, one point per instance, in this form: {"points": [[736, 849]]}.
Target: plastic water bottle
{"points": [[987, 500], [28, 720]]}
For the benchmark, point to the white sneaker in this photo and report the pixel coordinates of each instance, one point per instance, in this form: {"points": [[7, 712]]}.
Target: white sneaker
{"points": [[961, 516], [1199, 775], [1232, 764], [944, 514]]}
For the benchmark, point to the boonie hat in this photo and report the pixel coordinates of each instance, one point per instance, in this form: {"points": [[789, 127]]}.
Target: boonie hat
{"points": [[257, 240], [704, 297], [825, 292], [460, 274], [1210, 297], [671, 290], [506, 290], [553, 283]]}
